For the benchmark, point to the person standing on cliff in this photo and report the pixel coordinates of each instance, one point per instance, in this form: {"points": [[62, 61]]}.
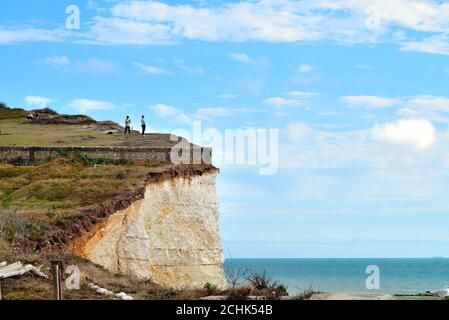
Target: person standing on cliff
{"points": [[127, 125], [144, 125]]}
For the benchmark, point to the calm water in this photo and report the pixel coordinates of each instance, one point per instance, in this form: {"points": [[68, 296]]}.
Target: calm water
{"points": [[409, 276]]}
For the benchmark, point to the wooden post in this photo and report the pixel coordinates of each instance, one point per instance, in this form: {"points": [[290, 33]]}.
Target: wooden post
{"points": [[57, 276], [1, 279]]}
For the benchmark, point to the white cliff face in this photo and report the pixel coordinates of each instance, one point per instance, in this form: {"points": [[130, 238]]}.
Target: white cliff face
{"points": [[171, 236]]}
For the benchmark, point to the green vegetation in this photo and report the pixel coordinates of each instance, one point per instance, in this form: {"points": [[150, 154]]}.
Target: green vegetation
{"points": [[8, 114], [246, 282], [51, 201], [64, 185]]}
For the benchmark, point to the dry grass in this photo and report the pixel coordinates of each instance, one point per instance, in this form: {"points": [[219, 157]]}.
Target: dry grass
{"points": [[33, 288], [307, 294], [18, 132]]}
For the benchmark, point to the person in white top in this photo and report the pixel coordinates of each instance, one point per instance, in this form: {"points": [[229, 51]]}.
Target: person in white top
{"points": [[127, 125], [144, 125]]}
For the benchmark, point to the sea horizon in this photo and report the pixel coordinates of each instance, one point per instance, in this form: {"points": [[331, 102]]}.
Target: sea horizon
{"points": [[349, 275]]}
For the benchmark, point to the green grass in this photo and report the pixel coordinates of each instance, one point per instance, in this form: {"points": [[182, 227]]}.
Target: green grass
{"points": [[64, 185]]}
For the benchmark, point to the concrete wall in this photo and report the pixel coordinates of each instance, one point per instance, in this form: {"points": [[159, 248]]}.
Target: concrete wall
{"points": [[167, 155]]}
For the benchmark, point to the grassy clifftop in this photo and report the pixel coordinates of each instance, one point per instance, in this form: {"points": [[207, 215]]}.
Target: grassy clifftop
{"points": [[44, 207], [55, 130]]}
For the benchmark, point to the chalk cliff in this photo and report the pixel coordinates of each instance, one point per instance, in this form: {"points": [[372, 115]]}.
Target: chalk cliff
{"points": [[169, 236]]}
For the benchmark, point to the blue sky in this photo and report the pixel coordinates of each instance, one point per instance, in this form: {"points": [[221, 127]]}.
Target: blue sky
{"points": [[357, 90]]}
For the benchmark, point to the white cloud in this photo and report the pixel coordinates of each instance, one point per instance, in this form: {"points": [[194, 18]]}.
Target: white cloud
{"points": [[214, 112], [179, 63], [10, 36], [297, 98], [164, 111], [282, 102], [438, 44], [421, 113], [119, 31], [170, 112], [339, 21], [306, 68], [58, 61], [285, 21], [241, 57], [246, 59], [83, 105], [298, 132], [303, 94], [37, 102], [94, 65], [428, 107], [415, 133], [430, 102], [151, 69], [369, 101], [91, 65]]}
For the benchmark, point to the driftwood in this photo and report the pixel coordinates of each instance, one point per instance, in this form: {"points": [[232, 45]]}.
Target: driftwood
{"points": [[18, 269], [105, 292]]}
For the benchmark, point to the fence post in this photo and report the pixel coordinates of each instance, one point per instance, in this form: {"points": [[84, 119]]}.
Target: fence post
{"points": [[56, 267], [1, 279]]}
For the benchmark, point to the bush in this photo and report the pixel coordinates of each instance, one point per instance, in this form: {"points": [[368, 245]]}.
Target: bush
{"points": [[18, 161], [306, 294], [210, 288], [265, 285], [260, 281], [280, 290], [235, 275]]}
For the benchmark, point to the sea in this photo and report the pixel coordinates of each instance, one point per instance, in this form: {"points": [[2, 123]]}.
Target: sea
{"points": [[376, 276]]}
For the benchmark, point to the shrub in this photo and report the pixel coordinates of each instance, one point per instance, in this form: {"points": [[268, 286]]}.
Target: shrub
{"points": [[280, 290], [18, 161], [260, 280], [235, 275], [306, 294], [265, 285], [210, 288]]}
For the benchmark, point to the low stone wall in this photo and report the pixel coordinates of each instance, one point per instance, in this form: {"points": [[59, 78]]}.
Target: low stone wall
{"points": [[167, 155]]}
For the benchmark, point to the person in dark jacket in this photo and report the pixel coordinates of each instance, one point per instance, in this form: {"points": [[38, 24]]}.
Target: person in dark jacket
{"points": [[144, 125]]}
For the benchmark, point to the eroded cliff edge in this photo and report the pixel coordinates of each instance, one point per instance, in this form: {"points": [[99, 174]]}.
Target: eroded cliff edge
{"points": [[170, 235]]}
